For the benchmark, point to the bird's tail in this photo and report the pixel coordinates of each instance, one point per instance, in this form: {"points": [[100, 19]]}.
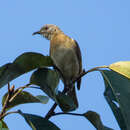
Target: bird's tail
{"points": [[72, 94]]}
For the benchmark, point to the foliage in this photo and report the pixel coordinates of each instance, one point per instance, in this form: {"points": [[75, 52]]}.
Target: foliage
{"points": [[117, 91]]}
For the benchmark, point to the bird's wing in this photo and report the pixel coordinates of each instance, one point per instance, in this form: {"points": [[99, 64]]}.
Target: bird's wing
{"points": [[79, 57]]}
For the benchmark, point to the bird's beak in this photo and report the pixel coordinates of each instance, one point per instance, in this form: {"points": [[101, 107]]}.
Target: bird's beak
{"points": [[38, 32]]}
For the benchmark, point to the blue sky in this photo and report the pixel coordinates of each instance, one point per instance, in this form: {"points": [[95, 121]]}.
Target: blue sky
{"points": [[102, 29]]}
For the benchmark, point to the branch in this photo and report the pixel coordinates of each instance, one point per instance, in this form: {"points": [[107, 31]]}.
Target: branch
{"points": [[51, 111], [5, 114], [5, 105], [18, 90], [86, 72], [10, 96]]}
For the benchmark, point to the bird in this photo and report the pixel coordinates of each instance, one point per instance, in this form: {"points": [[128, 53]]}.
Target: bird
{"points": [[66, 56]]}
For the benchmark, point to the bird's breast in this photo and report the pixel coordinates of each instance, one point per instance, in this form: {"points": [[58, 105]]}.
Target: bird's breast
{"points": [[65, 59]]}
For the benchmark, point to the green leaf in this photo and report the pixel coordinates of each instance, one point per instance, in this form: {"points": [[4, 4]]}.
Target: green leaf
{"points": [[112, 101], [65, 102], [122, 67], [117, 94], [24, 97], [3, 125], [42, 99], [23, 64], [94, 118], [9, 72], [30, 60], [47, 79], [38, 122], [3, 69]]}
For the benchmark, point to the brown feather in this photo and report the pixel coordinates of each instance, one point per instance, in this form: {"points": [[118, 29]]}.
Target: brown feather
{"points": [[78, 52], [66, 56]]}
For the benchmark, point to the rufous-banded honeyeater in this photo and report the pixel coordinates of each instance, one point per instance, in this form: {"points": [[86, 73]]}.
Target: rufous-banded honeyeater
{"points": [[65, 54]]}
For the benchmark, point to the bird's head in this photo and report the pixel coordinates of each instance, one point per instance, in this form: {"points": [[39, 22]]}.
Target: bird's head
{"points": [[48, 31]]}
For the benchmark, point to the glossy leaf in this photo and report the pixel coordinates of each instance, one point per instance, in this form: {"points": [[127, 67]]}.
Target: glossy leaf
{"points": [[25, 97], [42, 99], [47, 79], [112, 101], [117, 94], [3, 125], [9, 72], [3, 69], [122, 67], [22, 64], [38, 122], [94, 118], [30, 60], [65, 102]]}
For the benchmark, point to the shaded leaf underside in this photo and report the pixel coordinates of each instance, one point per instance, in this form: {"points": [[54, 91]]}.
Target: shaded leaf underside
{"points": [[24, 97], [118, 92], [38, 122]]}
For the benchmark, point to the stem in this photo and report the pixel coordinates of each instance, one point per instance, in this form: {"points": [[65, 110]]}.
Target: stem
{"points": [[51, 111], [25, 86], [62, 113], [10, 96], [5, 114], [86, 72], [5, 105], [18, 90]]}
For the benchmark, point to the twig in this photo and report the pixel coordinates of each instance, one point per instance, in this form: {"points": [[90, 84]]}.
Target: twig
{"points": [[5, 105], [5, 114], [62, 113], [86, 72], [35, 87], [10, 96], [17, 91], [25, 86], [51, 111]]}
